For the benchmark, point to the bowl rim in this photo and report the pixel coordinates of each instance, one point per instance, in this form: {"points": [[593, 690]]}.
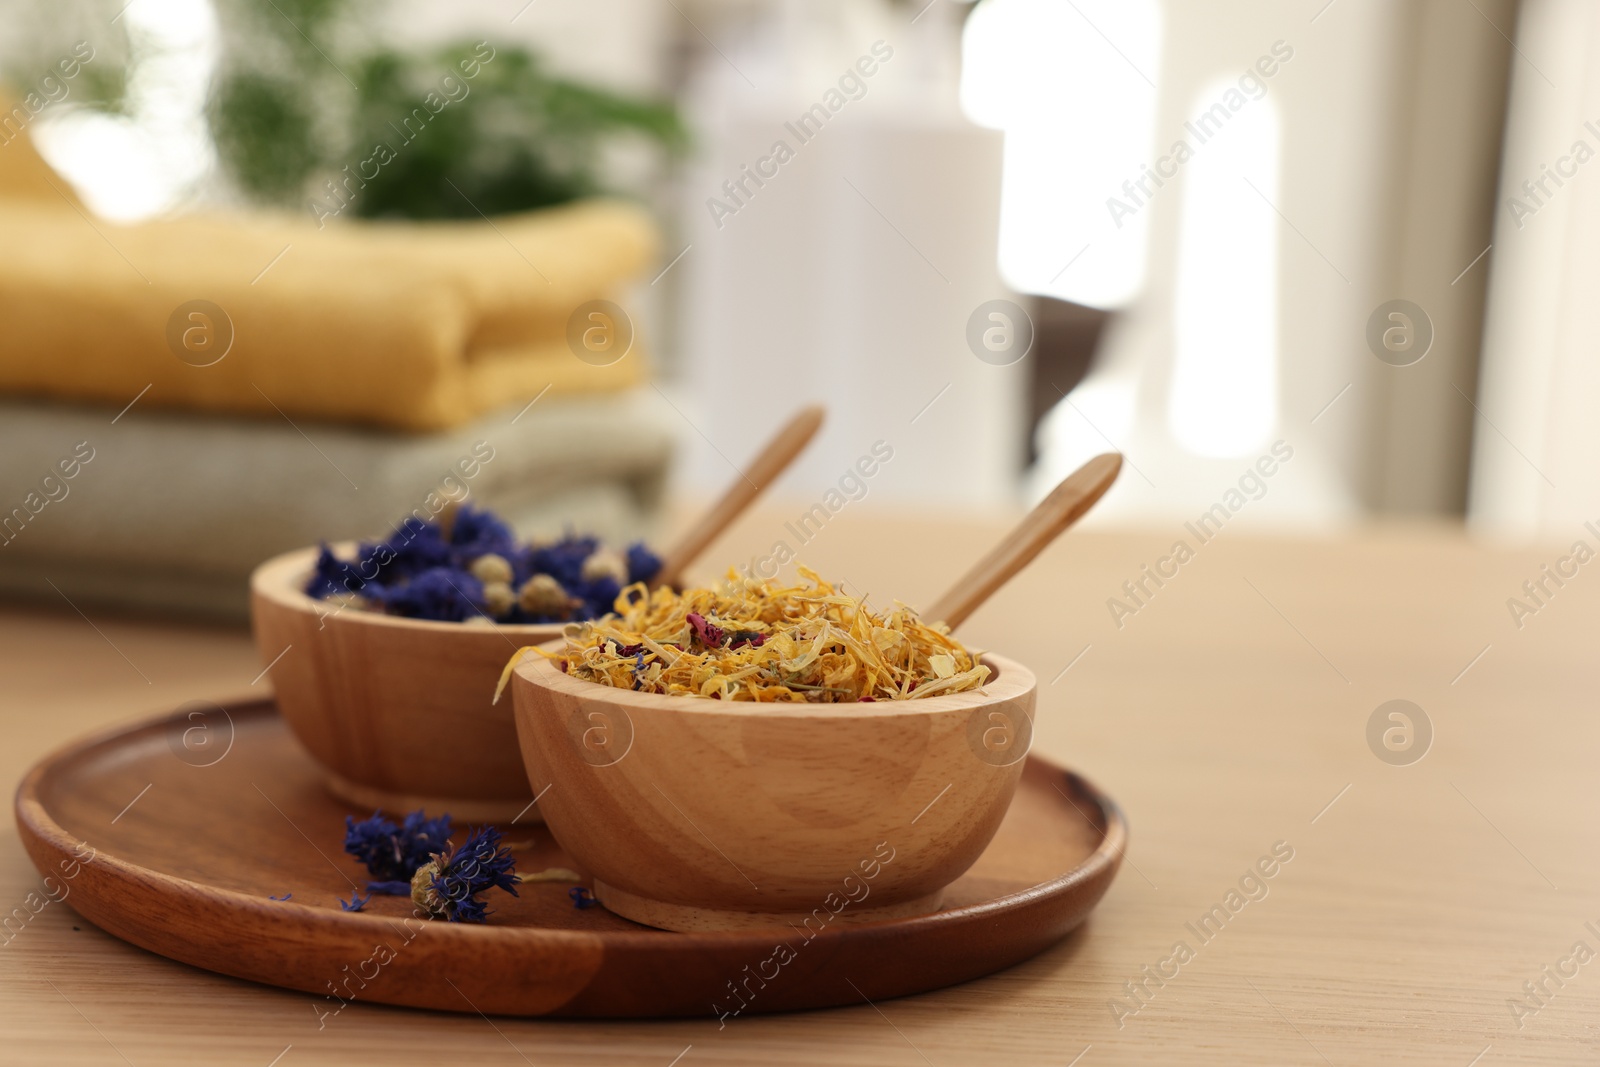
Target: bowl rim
{"points": [[281, 580], [1011, 681]]}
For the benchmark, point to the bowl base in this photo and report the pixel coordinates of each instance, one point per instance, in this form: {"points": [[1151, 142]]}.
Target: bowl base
{"points": [[520, 810], [683, 918]]}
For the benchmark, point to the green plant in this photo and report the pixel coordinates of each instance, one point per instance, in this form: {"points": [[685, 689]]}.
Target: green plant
{"points": [[517, 139], [263, 133], [299, 119]]}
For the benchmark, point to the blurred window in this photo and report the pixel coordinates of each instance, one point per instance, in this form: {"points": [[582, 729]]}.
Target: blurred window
{"points": [[1223, 397], [1073, 85]]}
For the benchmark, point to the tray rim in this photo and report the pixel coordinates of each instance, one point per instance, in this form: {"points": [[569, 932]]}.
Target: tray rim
{"points": [[39, 830]]}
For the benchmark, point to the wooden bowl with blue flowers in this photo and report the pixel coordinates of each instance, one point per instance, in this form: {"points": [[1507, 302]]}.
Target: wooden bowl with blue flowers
{"points": [[398, 712], [385, 655]]}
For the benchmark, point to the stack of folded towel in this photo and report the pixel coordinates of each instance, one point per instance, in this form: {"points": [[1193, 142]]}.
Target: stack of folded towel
{"points": [[329, 380]]}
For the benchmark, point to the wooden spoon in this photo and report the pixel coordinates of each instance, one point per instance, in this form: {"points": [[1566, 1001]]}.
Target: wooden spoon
{"points": [[1065, 505], [788, 443]]}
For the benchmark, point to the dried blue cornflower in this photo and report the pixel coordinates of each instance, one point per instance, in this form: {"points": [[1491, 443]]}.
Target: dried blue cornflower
{"points": [[598, 595], [581, 897], [563, 560], [331, 576], [447, 886], [414, 547], [393, 853], [477, 532], [447, 594], [286, 896], [356, 901], [643, 564]]}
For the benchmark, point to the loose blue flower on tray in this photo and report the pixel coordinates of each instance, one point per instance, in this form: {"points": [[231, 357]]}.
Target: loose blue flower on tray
{"points": [[447, 886], [414, 857], [393, 852], [467, 566]]}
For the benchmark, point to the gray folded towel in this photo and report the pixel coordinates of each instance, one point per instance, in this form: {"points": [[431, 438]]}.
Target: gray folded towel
{"points": [[171, 512]]}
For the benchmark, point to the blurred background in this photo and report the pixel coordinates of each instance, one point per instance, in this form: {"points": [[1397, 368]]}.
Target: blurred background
{"points": [[281, 271]]}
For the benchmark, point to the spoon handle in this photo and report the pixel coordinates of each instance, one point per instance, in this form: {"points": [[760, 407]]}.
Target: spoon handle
{"points": [[772, 461], [1065, 505]]}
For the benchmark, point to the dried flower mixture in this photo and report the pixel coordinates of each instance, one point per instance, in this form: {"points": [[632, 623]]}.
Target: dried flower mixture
{"points": [[749, 639]]}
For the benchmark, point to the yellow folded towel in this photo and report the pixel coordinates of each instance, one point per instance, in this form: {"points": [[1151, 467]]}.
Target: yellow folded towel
{"points": [[413, 326]]}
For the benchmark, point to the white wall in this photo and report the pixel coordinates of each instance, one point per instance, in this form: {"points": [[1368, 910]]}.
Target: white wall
{"points": [[850, 276]]}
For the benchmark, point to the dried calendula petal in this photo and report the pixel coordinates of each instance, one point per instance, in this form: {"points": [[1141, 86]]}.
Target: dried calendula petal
{"points": [[886, 639], [754, 640]]}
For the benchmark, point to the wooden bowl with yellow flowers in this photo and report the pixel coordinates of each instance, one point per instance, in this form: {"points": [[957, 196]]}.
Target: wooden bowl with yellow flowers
{"points": [[763, 756]]}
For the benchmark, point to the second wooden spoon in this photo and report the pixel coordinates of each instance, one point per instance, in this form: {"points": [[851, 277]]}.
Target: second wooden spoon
{"points": [[1065, 505]]}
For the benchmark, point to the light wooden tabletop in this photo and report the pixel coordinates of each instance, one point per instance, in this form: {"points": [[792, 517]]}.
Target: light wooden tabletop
{"points": [[1229, 716]]}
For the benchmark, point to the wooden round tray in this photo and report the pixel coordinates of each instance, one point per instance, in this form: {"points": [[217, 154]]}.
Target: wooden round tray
{"points": [[188, 851]]}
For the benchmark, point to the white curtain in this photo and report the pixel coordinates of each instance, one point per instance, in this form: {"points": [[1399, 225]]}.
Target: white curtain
{"points": [[1538, 439]]}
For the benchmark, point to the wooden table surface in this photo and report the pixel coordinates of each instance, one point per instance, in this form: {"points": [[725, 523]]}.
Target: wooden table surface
{"points": [[1227, 715]]}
